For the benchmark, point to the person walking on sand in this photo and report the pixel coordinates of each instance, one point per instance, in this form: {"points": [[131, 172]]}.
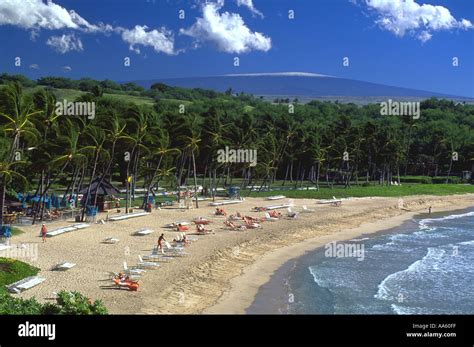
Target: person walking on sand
{"points": [[429, 210], [161, 239], [43, 232]]}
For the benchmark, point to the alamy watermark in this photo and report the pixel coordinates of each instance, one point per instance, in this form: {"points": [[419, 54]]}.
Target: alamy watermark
{"points": [[228, 155], [344, 250], [69, 108], [28, 251], [400, 108]]}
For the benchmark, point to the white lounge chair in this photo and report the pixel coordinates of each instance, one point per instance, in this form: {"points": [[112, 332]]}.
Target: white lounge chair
{"points": [[111, 240], [306, 209], [25, 284], [133, 271], [64, 266], [146, 264], [4, 247], [143, 232], [270, 218], [291, 214]]}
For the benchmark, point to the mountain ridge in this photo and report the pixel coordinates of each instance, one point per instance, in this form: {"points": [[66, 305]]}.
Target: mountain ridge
{"points": [[302, 84]]}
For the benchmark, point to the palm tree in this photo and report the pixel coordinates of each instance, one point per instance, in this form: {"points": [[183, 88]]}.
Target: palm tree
{"points": [[193, 146], [97, 135]]}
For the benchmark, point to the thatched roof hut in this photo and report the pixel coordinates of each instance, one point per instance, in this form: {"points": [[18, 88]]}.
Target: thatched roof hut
{"points": [[105, 188]]}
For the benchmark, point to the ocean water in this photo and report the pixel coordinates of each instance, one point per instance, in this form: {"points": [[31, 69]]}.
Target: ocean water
{"points": [[425, 266]]}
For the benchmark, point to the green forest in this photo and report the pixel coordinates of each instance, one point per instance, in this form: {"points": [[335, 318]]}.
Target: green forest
{"points": [[169, 137]]}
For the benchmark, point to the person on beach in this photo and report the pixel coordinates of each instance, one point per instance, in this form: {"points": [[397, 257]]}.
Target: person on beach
{"points": [[429, 210], [43, 232], [161, 239]]}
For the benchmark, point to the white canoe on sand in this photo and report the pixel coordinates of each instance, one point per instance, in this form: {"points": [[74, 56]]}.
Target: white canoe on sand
{"points": [[129, 215], [276, 197], [67, 229]]}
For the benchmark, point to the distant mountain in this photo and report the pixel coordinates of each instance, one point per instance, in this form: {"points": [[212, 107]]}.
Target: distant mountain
{"points": [[298, 84]]}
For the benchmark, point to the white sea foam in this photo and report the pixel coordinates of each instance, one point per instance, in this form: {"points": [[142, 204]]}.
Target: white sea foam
{"points": [[423, 223], [390, 288]]}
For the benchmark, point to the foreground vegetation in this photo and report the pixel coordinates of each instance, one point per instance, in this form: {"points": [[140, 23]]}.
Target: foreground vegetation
{"points": [[12, 271]]}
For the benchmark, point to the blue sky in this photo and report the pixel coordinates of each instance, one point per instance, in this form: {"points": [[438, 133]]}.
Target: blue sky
{"points": [[415, 49]]}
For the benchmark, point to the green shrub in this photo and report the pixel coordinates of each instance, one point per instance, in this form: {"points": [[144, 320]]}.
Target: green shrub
{"points": [[18, 306], [442, 180], [77, 304], [71, 303], [416, 179]]}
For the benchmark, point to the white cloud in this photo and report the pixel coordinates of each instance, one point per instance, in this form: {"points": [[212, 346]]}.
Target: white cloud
{"points": [[34, 66], [161, 40], [407, 16], [227, 30], [65, 43], [36, 14], [66, 68], [249, 4]]}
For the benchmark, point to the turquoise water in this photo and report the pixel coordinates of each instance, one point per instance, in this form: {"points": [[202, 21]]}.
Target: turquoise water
{"points": [[425, 266]]}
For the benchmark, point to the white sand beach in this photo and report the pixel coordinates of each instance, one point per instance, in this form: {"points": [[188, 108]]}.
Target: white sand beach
{"points": [[223, 271]]}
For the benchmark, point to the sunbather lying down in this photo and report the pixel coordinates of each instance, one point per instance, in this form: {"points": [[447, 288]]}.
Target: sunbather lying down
{"points": [[200, 229], [180, 227], [275, 214], [220, 212], [182, 240], [236, 216], [251, 224], [202, 221], [234, 226]]}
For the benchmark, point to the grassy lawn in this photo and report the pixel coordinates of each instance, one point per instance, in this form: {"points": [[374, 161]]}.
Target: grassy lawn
{"points": [[13, 270], [359, 191]]}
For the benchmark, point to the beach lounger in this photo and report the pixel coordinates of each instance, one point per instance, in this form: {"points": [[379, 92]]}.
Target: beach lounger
{"points": [[132, 271], [291, 214], [25, 284], [334, 201], [143, 232], [63, 266], [146, 264], [162, 258], [276, 197], [4, 247], [174, 250], [111, 240], [270, 218], [306, 209]]}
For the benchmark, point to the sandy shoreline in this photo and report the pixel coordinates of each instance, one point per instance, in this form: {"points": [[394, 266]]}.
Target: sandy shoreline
{"points": [[245, 287], [223, 271]]}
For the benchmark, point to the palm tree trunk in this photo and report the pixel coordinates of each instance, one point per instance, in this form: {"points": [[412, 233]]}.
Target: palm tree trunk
{"points": [[195, 180], [2, 200], [449, 171], [90, 186]]}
